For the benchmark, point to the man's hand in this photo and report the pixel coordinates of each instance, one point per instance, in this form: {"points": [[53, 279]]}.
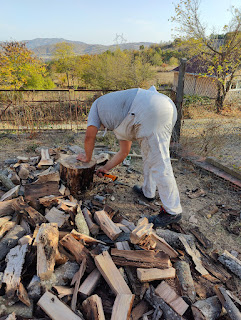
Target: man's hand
{"points": [[82, 157], [101, 171]]}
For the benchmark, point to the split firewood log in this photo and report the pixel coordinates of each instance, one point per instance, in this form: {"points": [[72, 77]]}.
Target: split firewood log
{"points": [[10, 240], [81, 223], [107, 225], [208, 309], [12, 193], [231, 262], [90, 283], [93, 308], [94, 229], [56, 309], [122, 307], [12, 274], [47, 244], [6, 181], [45, 159], [227, 303]]}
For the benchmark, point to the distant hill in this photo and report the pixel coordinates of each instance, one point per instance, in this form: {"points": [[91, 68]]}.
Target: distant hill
{"points": [[44, 47]]}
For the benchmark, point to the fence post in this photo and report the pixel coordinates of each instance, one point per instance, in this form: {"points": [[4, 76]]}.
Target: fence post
{"points": [[179, 98]]}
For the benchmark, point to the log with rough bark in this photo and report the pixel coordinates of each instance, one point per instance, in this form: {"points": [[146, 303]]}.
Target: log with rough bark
{"points": [[166, 292], [78, 250], [45, 159], [231, 262], [93, 308], [201, 238], [172, 238], [227, 303], [122, 307], [46, 177], [94, 229], [148, 275], [6, 207], [107, 225], [56, 309], [77, 175], [81, 223], [208, 309], [111, 274], [32, 216], [10, 240], [139, 258], [47, 245], [185, 279], [12, 274], [158, 302], [18, 308], [35, 191], [90, 283], [6, 181]]}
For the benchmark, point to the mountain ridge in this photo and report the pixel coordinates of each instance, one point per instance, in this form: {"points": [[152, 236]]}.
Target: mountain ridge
{"points": [[44, 47]]}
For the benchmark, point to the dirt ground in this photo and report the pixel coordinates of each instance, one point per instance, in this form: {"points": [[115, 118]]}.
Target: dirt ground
{"points": [[222, 229]]}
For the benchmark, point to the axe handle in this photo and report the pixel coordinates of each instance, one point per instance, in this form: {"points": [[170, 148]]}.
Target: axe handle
{"points": [[112, 177]]}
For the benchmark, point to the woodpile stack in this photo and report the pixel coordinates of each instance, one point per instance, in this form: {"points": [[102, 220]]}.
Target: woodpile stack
{"points": [[62, 258]]}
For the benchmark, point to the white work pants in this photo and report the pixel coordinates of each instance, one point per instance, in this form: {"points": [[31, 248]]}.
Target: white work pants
{"points": [[150, 120]]}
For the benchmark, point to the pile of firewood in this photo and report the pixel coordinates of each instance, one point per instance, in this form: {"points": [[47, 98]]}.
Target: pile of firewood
{"points": [[65, 258]]}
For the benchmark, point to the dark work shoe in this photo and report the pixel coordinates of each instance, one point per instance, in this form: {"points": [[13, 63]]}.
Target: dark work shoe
{"points": [[139, 191], [163, 219]]}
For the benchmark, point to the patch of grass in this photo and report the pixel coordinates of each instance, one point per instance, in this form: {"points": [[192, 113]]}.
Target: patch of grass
{"points": [[31, 147]]}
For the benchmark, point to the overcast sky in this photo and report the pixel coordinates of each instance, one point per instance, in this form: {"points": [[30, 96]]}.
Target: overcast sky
{"points": [[99, 21]]}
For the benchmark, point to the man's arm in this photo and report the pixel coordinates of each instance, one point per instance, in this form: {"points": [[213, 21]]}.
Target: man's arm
{"points": [[90, 136], [125, 147]]}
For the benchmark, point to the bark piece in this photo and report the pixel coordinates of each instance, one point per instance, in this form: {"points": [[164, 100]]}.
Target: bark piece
{"points": [[107, 225], [56, 309], [148, 275], [47, 244], [139, 258], [78, 250], [10, 240], [122, 307], [77, 175], [166, 292], [158, 302], [94, 229], [12, 193], [227, 303], [195, 257], [23, 295], [93, 308], [185, 279], [12, 274], [90, 283], [208, 309], [80, 274], [45, 159], [231, 262], [57, 216], [80, 222], [201, 238], [49, 201], [111, 274]]}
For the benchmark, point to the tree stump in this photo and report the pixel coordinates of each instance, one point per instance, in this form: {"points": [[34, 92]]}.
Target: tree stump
{"points": [[77, 175]]}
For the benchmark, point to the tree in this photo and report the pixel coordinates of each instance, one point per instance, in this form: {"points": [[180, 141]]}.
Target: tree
{"points": [[64, 59], [222, 54], [19, 68]]}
